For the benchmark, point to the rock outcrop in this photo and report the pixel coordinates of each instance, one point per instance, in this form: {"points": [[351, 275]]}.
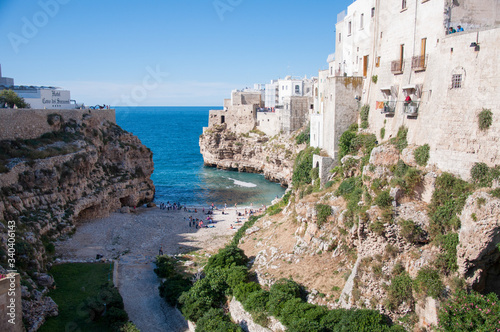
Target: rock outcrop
{"points": [[478, 254], [253, 152], [85, 168]]}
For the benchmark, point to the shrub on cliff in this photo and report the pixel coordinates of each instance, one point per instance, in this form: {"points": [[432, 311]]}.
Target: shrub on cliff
{"points": [[470, 312], [216, 320], [428, 282], [363, 114], [302, 166], [447, 202], [323, 212], [446, 261], [304, 136], [400, 290], [280, 292], [400, 141], [421, 154]]}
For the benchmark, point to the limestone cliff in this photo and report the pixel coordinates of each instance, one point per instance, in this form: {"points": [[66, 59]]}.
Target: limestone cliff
{"points": [[382, 231], [84, 168], [252, 152]]}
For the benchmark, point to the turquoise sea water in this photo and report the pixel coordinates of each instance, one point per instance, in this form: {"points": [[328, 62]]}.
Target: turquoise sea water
{"points": [[172, 133]]}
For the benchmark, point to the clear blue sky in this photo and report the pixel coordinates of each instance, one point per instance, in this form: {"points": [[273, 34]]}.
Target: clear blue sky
{"points": [[105, 51]]}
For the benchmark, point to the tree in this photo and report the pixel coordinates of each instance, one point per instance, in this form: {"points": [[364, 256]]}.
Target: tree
{"points": [[11, 98]]}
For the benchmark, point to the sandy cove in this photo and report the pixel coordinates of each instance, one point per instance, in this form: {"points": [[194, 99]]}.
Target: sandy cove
{"points": [[133, 240]]}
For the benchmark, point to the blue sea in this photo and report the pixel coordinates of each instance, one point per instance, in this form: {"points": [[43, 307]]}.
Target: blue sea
{"points": [[172, 133]]}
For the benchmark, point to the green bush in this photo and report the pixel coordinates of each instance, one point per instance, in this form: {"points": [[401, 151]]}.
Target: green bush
{"points": [[323, 211], [345, 143], [480, 174], [495, 193], [199, 299], [172, 288], [410, 231], [377, 227], [485, 118], [400, 290], [244, 289], [303, 165], [470, 312], [421, 154], [447, 202], [365, 110], [280, 292], [384, 199], [348, 186], [227, 257], [329, 184], [216, 320], [428, 282], [304, 136], [165, 266], [412, 179], [446, 261], [382, 132], [400, 141]]}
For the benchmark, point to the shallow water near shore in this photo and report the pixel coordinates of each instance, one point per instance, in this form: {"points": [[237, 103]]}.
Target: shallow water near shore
{"points": [[172, 133]]}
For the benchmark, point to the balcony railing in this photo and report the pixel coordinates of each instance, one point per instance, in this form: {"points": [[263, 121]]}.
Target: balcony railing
{"points": [[411, 108], [397, 67], [419, 62], [389, 107]]}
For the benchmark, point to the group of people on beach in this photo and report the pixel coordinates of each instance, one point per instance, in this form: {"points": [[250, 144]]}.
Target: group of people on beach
{"points": [[174, 207]]}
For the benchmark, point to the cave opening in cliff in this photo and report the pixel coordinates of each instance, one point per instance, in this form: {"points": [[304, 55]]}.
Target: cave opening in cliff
{"points": [[222, 119], [492, 277], [127, 201], [88, 213]]}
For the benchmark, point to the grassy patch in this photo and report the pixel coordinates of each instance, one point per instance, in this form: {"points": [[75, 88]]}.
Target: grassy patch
{"points": [[80, 287]]}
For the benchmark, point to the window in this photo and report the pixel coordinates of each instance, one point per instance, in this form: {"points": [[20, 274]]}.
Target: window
{"points": [[340, 37], [456, 81], [297, 89], [373, 11], [361, 21], [403, 4], [349, 25], [377, 61]]}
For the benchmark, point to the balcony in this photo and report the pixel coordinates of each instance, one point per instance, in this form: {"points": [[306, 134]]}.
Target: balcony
{"points": [[419, 63], [389, 107], [397, 67], [411, 108]]}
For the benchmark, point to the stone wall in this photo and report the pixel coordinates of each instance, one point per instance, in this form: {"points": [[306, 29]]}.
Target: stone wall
{"points": [[6, 298], [295, 113], [31, 123], [340, 109], [448, 117], [269, 122]]}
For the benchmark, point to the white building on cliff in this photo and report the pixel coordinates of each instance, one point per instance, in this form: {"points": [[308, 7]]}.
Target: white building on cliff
{"points": [[401, 48]]}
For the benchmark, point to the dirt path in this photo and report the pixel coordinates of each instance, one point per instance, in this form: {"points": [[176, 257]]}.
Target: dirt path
{"points": [[134, 240]]}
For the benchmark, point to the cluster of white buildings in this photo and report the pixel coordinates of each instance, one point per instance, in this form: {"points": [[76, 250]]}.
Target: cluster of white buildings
{"points": [[397, 57]]}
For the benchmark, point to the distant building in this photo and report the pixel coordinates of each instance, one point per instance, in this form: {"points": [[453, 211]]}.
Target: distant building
{"points": [[272, 94], [5, 81], [40, 97]]}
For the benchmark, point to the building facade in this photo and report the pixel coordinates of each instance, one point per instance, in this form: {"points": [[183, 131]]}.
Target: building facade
{"points": [[418, 75]]}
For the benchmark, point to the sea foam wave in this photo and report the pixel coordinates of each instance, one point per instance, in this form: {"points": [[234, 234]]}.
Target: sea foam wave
{"points": [[243, 184]]}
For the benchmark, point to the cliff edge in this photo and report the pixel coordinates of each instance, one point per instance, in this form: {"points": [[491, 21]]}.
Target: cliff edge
{"points": [[85, 167]]}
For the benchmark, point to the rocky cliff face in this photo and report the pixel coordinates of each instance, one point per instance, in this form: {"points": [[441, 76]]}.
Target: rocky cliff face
{"points": [[253, 152], [389, 229], [82, 169]]}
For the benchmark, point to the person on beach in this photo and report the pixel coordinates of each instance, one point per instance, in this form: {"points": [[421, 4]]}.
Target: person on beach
{"points": [[160, 252]]}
